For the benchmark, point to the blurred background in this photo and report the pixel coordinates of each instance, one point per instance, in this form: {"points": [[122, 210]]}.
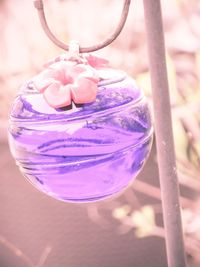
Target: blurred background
{"points": [[36, 230]]}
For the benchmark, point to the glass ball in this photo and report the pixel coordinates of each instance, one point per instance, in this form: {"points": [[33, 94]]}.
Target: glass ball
{"points": [[84, 152]]}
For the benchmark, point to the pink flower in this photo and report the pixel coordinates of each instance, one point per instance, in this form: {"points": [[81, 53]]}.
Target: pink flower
{"points": [[64, 81]]}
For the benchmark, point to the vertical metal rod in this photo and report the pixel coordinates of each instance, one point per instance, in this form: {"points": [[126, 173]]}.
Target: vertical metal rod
{"points": [[164, 135]]}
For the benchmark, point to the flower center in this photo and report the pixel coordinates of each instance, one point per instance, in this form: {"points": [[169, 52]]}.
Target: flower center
{"points": [[67, 79]]}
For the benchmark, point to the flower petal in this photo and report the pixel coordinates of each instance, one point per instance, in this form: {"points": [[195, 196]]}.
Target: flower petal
{"points": [[90, 74], [84, 92], [96, 61], [77, 70], [57, 95], [44, 79], [63, 70]]}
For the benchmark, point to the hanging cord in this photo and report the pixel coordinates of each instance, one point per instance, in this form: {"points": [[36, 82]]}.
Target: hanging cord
{"points": [[40, 7]]}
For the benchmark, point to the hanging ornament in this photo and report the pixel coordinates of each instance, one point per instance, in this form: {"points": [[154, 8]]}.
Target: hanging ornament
{"points": [[80, 131]]}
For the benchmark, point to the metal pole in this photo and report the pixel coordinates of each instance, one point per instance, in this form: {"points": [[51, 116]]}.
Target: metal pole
{"points": [[164, 136]]}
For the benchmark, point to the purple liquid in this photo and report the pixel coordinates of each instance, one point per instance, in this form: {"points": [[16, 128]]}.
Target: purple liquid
{"points": [[85, 153]]}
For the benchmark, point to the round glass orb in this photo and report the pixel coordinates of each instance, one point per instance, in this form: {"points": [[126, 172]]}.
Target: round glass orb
{"points": [[84, 152]]}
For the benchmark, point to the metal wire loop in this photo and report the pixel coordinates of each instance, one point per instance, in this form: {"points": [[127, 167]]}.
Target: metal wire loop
{"points": [[40, 8]]}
